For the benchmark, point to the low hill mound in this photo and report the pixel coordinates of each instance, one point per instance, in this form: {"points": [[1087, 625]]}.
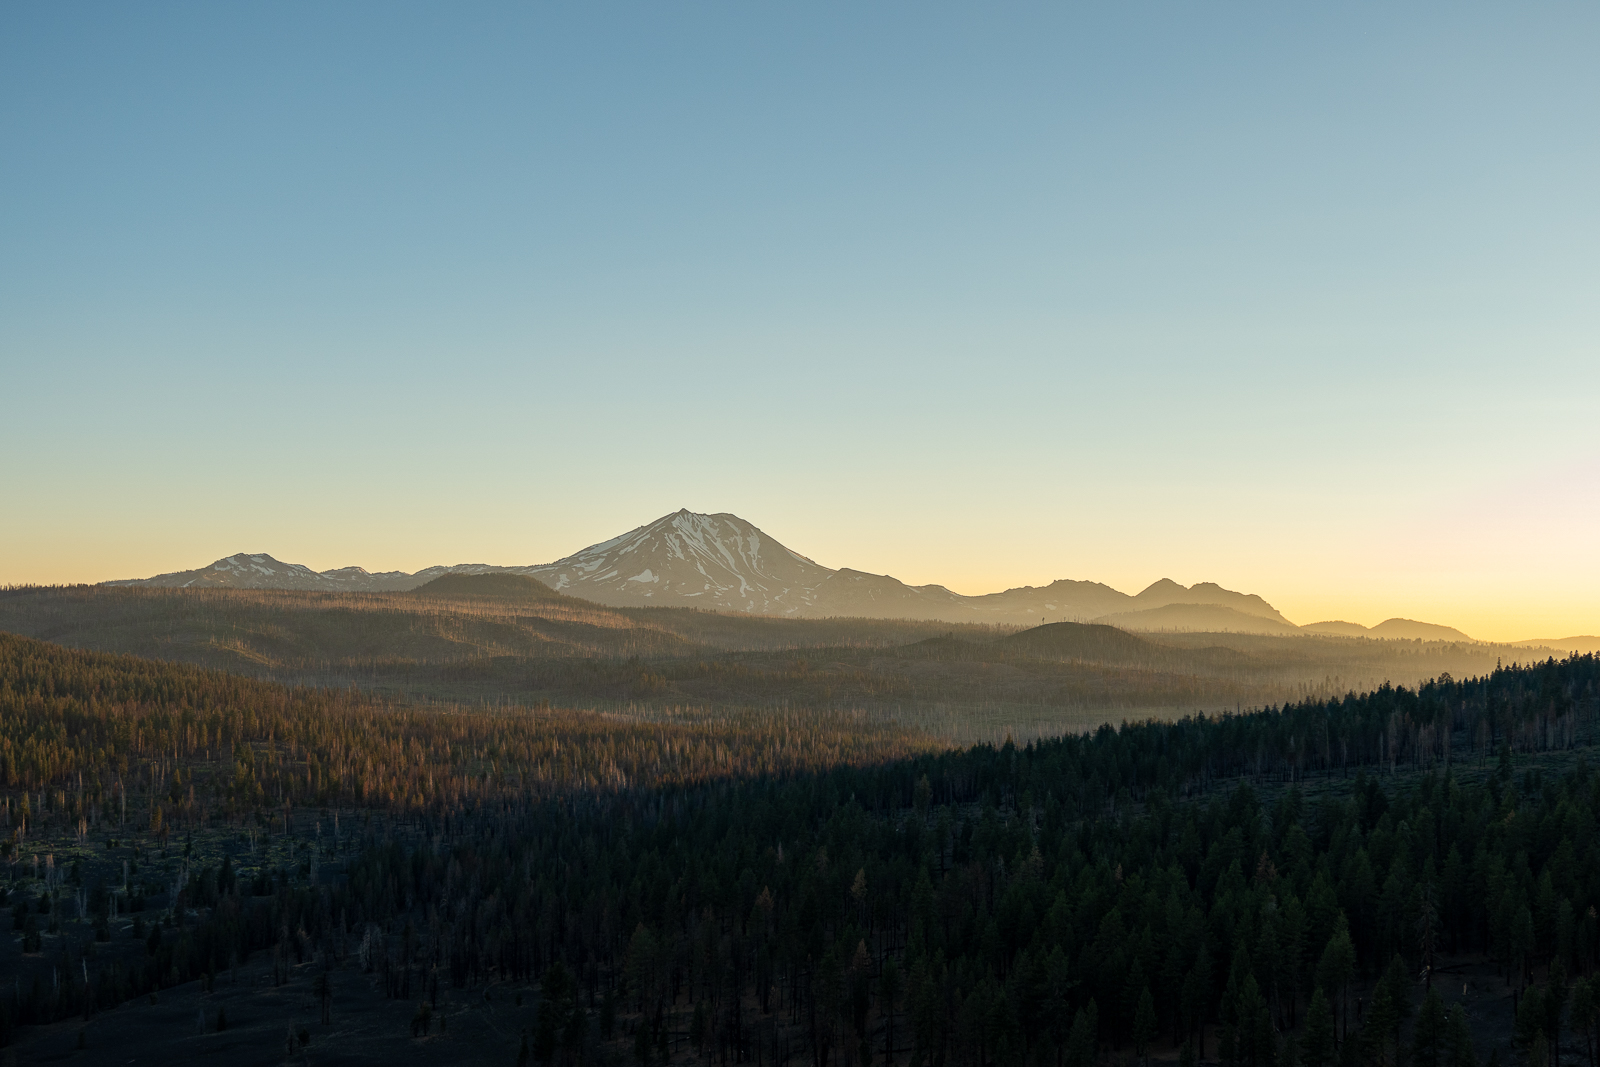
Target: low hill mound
{"points": [[1204, 618], [1412, 630], [1581, 644], [1338, 628], [1078, 640]]}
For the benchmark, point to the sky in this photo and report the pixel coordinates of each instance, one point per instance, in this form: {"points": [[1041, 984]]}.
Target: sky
{"points": [[1303, 300]]}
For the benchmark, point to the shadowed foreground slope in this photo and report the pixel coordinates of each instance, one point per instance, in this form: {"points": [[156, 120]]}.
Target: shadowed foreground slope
{"points": [[264, 876]]}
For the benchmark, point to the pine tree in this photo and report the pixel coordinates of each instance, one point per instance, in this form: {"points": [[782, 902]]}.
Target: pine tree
{"points": [[1458, 1039], [1316, 1049], [1555, 1005], [1390, 1006], [1429, 1042], [1336, 968], [1529, 1026], [888, 994], [1522, 942], [1083, 1044], [1144, 1025], [1583, 1014]]}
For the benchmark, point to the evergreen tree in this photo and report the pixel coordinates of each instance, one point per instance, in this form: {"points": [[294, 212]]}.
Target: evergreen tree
{"points": [[1584, 1012], [1317, 1045], [1458, 1039], [1083, 1044], [1430, 1040], [1539, 1052], [888, 994], [1555, 1004], [1529, 1026], [1144, 1025], [1391, 1004], [1335, 970]]}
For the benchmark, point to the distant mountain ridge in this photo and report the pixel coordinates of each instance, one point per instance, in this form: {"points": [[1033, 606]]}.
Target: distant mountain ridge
{"points": [[1391, 629], [258, 570], [721, 562], [1580, 644]]}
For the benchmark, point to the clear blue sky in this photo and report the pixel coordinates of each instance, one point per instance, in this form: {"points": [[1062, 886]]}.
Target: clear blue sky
{"points": [[1304, 300]]}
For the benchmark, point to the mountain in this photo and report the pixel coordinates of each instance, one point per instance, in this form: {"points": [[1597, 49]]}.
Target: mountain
{"points": [[1391, 630], [1067, 600], [719, 562], [723, 563], [258, 570], [1167, 591]]}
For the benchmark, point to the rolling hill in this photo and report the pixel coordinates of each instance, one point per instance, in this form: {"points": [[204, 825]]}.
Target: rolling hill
{"points": [[1203, 618], [508, 640], [1580, 644]]}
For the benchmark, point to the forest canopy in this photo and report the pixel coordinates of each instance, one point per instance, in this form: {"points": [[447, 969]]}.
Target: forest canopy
{"points": [[1262, 888]]}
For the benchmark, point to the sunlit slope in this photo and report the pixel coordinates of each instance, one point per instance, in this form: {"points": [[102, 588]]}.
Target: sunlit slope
{"points": [[506, 638], [295, 631]]}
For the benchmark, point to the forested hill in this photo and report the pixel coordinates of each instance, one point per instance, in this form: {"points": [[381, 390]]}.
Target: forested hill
{"points": [[198, 746], [65, 713], [1070, 902], [495, 639]]}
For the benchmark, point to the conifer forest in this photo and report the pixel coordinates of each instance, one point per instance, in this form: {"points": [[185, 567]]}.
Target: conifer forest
{"points": [[201, 862]]}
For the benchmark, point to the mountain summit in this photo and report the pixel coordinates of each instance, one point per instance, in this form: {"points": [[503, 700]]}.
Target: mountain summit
{"points": [[684, 559]]}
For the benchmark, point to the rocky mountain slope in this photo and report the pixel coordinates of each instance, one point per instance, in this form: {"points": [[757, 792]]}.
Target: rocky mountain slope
{"points": [[688, 560]]}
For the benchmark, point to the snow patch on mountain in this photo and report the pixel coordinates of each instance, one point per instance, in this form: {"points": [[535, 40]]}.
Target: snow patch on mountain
{"points": [[717, 561]]}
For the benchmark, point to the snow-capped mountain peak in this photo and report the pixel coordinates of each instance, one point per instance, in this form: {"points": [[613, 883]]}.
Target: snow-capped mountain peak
{"points": [[716, 561]]}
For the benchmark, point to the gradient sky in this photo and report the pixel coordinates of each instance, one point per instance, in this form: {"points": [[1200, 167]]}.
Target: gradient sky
{"points": [[1300, 299]]}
